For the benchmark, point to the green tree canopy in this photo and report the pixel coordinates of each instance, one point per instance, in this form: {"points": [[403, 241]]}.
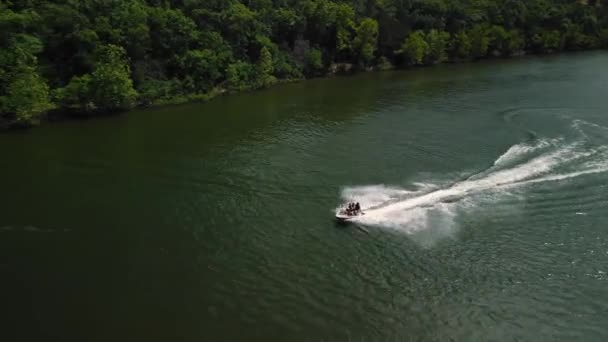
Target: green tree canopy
{"points": [[94, 56], [366, 40], [438, 42], [26, 98], [415, 48], [108, 88]]}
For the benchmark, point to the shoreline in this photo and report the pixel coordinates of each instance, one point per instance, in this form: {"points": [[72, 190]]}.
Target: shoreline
{"points": [[59, 115]]}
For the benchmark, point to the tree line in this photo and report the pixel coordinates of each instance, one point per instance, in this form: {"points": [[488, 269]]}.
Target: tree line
{"points": [[87, 57]]}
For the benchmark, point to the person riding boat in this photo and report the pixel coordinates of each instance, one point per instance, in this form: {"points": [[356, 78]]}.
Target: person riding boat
{"points": [[353, 209], [350, 208]]}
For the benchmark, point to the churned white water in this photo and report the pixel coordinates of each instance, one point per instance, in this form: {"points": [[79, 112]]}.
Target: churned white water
{"points": [[522, 165]]}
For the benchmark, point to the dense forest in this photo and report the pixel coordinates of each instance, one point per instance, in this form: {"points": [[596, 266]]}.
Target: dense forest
{"points": [[86, 57]]}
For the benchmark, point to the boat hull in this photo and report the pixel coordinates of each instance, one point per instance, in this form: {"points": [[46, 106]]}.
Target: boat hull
{"points": [[346, 218]]}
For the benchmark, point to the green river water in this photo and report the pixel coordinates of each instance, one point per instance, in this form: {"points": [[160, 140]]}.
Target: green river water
{"points": [[484, 186]]}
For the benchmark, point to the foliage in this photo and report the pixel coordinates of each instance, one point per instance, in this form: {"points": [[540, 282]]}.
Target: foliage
{"points": [[240, 75], [415, 48], [547, 41], [480, 41], [95, 56], [384, 64], [366, 40], [204, 67], [437, 41], [460, 46], [24, 94], [503, 42], [108, 88], [265, 69], [27, 97], [314, 62]]}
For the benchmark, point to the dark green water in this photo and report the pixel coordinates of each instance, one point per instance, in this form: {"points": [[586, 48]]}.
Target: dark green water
{"points": [[485, 186]]}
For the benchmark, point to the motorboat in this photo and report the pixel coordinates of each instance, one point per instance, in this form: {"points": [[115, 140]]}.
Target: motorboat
{"points": [[345, 214]]}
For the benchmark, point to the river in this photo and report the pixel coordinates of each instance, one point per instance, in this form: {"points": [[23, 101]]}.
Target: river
{"points": [[484, 186]]}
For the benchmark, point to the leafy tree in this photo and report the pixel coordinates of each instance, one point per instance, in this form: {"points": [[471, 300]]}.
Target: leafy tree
{"points": [[576, 39], [204, 67], [76, 95], [505, 42], [240, 75], [26, 98], [366, 40], [241, 26], [24, 94], [171, 32], [314, 62], [516, 42], [130, 18], [460, 46], [415, 48], [265, 69], [286, 67], [480, 41], [547, 41], [107, 88], [288, 23], [345, 25], [437, 42], [153, 91]]}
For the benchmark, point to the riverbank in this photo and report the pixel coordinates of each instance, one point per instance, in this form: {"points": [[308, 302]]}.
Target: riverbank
{"points": [[105, 59], [334, 70]]}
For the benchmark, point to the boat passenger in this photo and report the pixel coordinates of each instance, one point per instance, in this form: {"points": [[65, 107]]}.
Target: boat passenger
{"points": [[350, 209]]}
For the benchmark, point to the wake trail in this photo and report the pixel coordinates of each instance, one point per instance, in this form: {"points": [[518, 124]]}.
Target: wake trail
{"points": [[522, 165]]}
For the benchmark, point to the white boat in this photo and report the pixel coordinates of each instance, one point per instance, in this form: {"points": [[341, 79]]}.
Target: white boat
{"points": [[342, 216]]}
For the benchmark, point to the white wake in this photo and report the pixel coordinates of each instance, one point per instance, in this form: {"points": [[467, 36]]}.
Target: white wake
{"points": [[523, 165]]}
